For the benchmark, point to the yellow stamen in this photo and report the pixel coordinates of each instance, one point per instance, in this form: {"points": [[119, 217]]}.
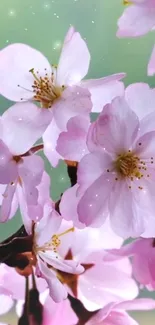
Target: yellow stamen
{"points": [[53, 243], [66, 232], [45, 89], [127, 165], [126, 2]]}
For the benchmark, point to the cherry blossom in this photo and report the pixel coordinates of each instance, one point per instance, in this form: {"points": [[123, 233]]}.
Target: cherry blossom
{"points": [[137, 19], [58, 88], [46, 242], [38, 80], [120, 168], [100, 282]]}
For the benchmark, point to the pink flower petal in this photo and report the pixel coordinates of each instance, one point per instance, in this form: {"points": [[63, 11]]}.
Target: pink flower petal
{"points": [[92, 208], [116, 119], [147, 124], [9, 204], [68, 206], [151, 64], [57, 289], [101, 314], [140, 98], [48, 225], [91, 167], [61, 313], [8, 167], [146, 149], [30, 171], [73, 65], [50, 138], [136, 21], [16, 61], [68, 266], [104, 90], [6, 303], [105, 283], [72, 144], [125, 216], [74, 101], [26, 218], [25, 122], [138, 304], [113, 318], [92, 83], [34, 212]]}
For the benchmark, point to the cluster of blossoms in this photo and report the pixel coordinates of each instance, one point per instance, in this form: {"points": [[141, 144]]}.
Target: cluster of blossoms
{"points": [[68, 263]]}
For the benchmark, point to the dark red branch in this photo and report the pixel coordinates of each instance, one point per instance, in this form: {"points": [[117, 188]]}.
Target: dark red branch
{"points": [[81, 312]]}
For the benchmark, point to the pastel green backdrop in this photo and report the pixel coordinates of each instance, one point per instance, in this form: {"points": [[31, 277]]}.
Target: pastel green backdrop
{"points": [[43, 24]]}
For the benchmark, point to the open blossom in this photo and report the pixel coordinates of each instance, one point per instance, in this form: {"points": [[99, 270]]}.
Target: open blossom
{"points": [[117, 177], [100, 282], [137, 19], [60, 86], [115, 313], [46, 241], [59, 89]]}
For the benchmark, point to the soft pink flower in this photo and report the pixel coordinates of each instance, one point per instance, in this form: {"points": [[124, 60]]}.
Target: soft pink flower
{"points": [[137, 19], [47, 242], [101, 282], [117, 177], [142, 252], [56, 82], [115, 313], [58, 88]]}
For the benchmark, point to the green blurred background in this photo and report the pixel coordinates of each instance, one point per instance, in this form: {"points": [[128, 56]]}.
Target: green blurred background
{"points": [[43, 25]]}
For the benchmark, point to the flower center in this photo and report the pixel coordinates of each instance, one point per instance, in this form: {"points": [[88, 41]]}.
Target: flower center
{"points": [[45, 88], [127, 165], [54, 243]]}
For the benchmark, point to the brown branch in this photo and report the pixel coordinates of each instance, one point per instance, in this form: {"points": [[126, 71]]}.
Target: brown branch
{"points": [[81, 312]]}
